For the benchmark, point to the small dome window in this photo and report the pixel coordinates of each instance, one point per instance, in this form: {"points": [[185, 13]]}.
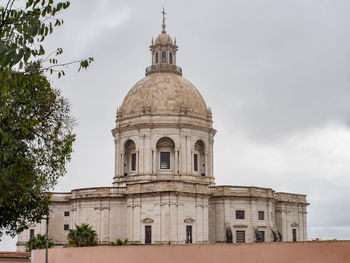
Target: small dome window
{"points": [[163, 57], [171, 58]]}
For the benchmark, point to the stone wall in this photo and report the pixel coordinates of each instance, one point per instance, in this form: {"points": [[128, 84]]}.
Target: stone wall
{"points": [[147, 154], [168, 207], [291, 214], [282, 212], [168, 214], [104, 209]]}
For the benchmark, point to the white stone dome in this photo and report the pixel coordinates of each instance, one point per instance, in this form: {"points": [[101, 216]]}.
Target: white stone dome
{"points": [[164, 94], [164, 39]]}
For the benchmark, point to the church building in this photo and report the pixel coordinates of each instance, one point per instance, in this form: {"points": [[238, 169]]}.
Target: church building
{"points": [[164, 189]]}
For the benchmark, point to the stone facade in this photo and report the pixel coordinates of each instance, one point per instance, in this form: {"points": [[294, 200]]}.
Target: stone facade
{"points": [[163, 187]]}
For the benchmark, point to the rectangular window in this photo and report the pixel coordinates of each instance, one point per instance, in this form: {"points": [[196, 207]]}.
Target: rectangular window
{"points": [[65, 227], [148, 234], [240, 236], [171, 58], [294, 235], [31, 233], [260, 236], [164, 160], [195, 159], [133, 162], [239, 214], [189, 234], [163, 57], [157, 58], [261, 215], [66, 213]]}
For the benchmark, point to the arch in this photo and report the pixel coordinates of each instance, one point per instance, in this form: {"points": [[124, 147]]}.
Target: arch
{"points": [[165, 148], [159, 137], [199, 158], [130, 164]]}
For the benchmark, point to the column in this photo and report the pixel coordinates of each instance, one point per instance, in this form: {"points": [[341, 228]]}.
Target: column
{"points": [[304, 223], [116, 157], [137, 161], [206, 163], [211, 160], [154, 167], [180, 223], [182, 155], [189, 156], [129, 220], [141, 153], [285, 236], [191, 161], [122, 165], [206, 221], [176, 162], [147, 154]]}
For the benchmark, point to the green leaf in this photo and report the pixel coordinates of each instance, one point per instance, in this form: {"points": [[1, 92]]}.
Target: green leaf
{"points": [[29, 3], [41, 50]]}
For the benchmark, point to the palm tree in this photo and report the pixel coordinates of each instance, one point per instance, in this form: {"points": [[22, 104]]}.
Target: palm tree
{"points": [[120, 242], [82, 236], [38, 242]]}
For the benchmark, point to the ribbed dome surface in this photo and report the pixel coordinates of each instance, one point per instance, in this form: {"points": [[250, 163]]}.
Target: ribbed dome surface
{"points": [[164, 39], [164, 94]]}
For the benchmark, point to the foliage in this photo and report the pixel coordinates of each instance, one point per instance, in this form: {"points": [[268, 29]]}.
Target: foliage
{"points": [[82, 236], [22, 32], [35, 123], [120, 242], [35, 144], [38, 242]]}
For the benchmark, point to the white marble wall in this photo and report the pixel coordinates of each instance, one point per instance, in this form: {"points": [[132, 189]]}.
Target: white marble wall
{"points": [[291, 216], [168, 214], [146, 140], [222, 214]]}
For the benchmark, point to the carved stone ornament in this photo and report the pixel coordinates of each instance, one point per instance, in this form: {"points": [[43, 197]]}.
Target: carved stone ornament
{"points": [[294, 224], [189, 220], [147, 220]]}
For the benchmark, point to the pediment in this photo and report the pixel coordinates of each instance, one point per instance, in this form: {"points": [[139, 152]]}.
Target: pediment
{"points": [[147, 220], [294, 224], [189, 220]]}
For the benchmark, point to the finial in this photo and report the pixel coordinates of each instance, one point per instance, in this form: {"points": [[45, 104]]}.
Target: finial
{"points": [[152, 41], [174, 40], [163, 25]]}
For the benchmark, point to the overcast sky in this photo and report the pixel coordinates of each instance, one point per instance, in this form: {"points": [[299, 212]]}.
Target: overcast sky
{"points": [[276, 75]]}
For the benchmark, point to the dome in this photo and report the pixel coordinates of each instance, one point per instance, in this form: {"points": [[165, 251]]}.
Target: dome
{"points": [[163, 94], [164, 39]]}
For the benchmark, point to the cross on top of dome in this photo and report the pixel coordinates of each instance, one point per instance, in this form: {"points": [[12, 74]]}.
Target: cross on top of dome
{"points": [[163, 51], [163, 26]]}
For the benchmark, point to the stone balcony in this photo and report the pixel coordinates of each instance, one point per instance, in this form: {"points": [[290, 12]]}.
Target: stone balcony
{"points": [[89, 193], [292, 198], [164, 68], [242, 191]]}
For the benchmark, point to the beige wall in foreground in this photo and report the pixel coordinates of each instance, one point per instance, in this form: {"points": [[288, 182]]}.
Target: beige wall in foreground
{"points": [[287, 252]]}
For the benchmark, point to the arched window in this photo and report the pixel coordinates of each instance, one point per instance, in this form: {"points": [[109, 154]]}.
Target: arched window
{"points": [[165, 155], [171, 58], [130, 158], [163, 57], [199, 158], [157, 58]]}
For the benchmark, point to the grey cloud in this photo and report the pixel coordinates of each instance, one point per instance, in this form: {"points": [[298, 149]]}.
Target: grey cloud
{"points": [[269, 70]]}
